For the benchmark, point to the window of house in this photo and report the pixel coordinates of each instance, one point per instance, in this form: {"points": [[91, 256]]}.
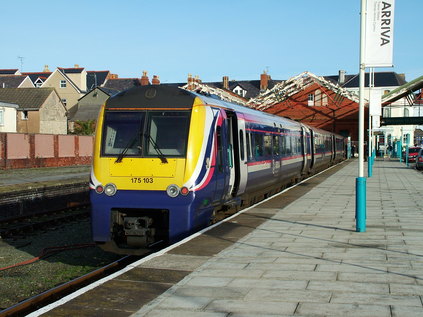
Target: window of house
{"points": [[38, 83], [387, 112], [24, 115], [64, 101], [311, 99], [324, 100], [239, 91], [318, 97], [1, 116], [63, 84], [406, 112]]}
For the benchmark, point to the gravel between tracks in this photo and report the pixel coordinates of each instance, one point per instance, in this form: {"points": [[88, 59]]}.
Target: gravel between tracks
{"points": [[20, 283]]}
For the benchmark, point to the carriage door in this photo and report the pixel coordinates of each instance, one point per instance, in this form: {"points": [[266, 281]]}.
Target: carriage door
{"points": [[276, 153], [333, 148], [241, 170], [304, 142], [313, 140], [221, 166], [232, 152]]}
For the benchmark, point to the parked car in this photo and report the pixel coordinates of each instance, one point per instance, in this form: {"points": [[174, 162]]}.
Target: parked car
{"points": [[412, 154], [419, 160]]}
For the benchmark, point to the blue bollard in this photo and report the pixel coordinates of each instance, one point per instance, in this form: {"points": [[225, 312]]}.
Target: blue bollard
{"points": [[360, 204], [370, 166]]}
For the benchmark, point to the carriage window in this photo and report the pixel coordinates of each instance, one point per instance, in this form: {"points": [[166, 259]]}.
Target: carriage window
{"points": [[276, 145], [241, 144], [219, 159], [248, 140], [267, 145], [288, 145], [258, 145]]}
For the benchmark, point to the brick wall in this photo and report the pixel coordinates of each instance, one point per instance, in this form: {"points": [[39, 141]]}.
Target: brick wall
{"points": [[18, 150]]}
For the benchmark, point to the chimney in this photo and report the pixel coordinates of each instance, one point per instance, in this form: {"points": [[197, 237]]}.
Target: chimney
{"points": [[46, 70], [76, 66], [155, 80], [264, 81], [144, 79], [226, 82], [189, 82], [341, 77]]}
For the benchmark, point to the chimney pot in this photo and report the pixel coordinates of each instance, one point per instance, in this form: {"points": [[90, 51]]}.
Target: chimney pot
{"points": [[46, 70], [144, 79], [76, 65], [225, 82], [341, 77], [264, 81], [155, 80]]}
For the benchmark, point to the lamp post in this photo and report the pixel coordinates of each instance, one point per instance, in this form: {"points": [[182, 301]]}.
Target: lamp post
{"points": [[360, 203]]}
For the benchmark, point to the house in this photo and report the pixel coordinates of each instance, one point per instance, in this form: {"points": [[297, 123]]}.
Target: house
{"points": [[70, 84], [403, 113], [121, 84], [8, 117], [9, 72], [40, 110], [246, 88], [89, 105], [15, 81], [97, 78]]}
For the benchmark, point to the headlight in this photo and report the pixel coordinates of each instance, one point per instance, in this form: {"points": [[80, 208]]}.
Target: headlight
{"points": [[110, 189], [172, 190]]}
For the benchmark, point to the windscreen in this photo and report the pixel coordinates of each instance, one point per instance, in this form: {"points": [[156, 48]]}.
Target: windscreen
{"points": [[145, 133]]}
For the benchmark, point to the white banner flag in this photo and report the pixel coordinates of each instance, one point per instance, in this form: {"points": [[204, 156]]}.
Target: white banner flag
{"points": [[379, 33], [375, 102]]}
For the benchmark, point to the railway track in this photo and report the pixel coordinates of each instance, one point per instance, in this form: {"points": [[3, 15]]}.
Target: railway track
{"points": [[21, 225], [45, 298]]}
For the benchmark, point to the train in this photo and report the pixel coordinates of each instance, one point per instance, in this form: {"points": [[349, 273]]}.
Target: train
{"points": [[167, 160]]}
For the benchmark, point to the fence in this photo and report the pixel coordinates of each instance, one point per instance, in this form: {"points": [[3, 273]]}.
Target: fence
{"points": [[18, 150]]}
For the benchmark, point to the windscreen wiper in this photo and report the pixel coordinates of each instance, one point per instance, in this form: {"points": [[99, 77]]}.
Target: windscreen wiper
{"points": [[155, 146], [126, 148]]}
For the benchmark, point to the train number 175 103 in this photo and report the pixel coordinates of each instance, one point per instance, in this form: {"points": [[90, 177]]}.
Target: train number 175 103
{"points": [[142, 180]]}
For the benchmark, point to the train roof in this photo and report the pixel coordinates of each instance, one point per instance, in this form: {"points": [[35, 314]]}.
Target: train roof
{"points": [[152, 96], [169, 96]]}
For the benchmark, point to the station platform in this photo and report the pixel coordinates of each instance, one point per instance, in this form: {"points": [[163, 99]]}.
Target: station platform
{"points": [[25, 192], [295, 254], [15, 178]]}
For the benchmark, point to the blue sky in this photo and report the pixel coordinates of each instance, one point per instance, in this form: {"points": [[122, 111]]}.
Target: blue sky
{"points": [[209, 38]]}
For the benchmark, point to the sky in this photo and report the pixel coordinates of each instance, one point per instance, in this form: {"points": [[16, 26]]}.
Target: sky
{"points": [[208, 38]]}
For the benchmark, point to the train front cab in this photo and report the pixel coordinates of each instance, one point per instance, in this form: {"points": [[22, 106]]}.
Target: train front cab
{"points": [[146, 149]]}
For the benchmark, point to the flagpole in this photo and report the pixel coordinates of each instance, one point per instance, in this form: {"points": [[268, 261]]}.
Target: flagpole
{"points": [[360, 206]]}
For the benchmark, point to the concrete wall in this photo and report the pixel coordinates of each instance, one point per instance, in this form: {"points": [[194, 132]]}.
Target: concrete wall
{"points": [[9, 119], [53, 116], [18, 150]]}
